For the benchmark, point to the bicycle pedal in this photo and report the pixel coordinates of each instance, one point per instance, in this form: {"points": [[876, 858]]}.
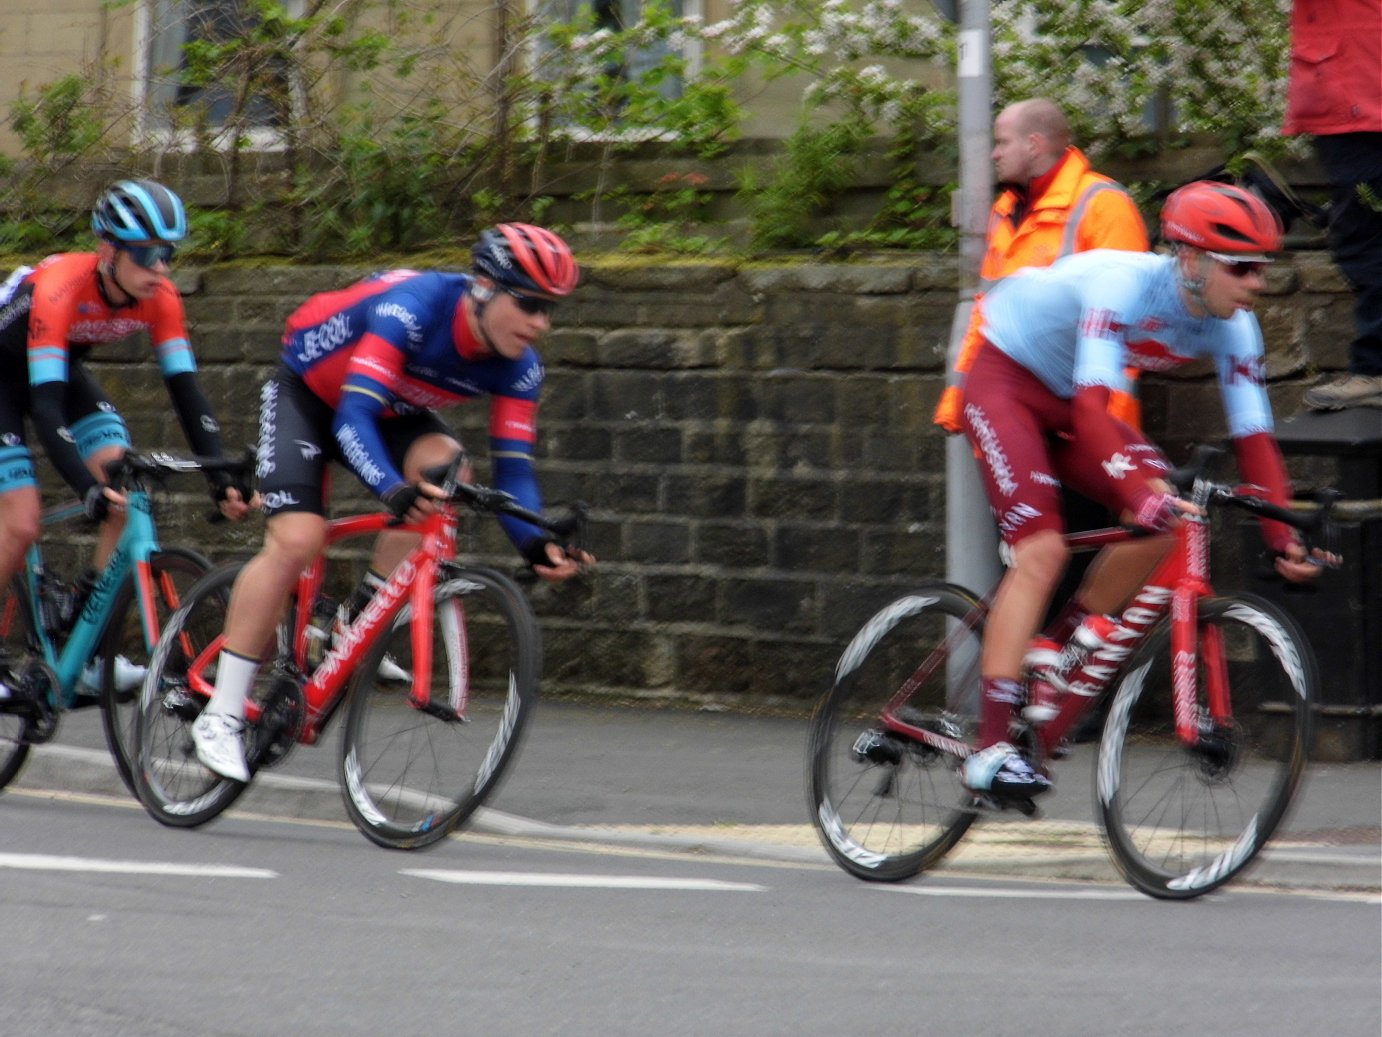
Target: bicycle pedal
{"points": [[983, 803]]}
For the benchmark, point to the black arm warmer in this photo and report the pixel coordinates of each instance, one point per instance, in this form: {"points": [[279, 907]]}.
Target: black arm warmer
{"points": [[195, 415], [49, 417]]}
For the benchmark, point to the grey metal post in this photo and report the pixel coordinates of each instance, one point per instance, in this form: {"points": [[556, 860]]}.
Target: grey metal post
{"points": [[971, 537]]}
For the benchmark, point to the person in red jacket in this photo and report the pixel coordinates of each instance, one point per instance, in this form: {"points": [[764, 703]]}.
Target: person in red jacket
{"points": [[1335, 93]]}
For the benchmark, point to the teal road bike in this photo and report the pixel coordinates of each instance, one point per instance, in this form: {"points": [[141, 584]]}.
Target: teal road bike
{"points": [[59, 653]]}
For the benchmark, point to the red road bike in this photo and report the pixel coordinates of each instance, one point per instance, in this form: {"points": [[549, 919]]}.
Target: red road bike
{"points": [[1201, 752], [418, 755]]}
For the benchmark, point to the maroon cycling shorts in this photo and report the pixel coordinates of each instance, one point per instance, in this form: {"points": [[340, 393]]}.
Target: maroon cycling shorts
{"points": [[1021, 434]]}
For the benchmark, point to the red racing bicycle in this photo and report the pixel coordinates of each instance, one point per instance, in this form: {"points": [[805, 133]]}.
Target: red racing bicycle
{"points": [[418, 755], [1201, 752]]}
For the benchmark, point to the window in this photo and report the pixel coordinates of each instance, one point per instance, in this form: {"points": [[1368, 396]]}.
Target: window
{"points": [[617, 15], [169, 27]]}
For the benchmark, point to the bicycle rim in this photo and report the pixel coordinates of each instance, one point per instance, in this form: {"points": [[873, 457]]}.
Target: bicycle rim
{"points": [[16, 640], [411, 775], [1181, 821], [174, 572], [887, 807], [170, 781]]}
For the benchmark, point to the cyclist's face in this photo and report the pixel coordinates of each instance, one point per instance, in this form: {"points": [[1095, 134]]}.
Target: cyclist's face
{"points": [[138, 281], [510, 326], [1230, 287]]}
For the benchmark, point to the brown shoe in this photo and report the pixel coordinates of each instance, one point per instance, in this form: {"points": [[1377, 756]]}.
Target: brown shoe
{"points": [[1354, 390]]}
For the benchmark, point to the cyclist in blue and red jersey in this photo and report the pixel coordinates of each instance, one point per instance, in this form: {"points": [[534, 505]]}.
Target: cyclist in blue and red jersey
{"points": [[1057, 341], [51, 317], [362, 370]]}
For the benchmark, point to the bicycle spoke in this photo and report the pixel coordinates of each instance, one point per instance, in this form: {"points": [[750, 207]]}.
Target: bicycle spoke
{"points": [[885, 805], [1182, 819], [414, 771]]}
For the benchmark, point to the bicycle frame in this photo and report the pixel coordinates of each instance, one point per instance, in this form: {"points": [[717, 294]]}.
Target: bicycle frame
{"points": [[412, 582], [138, 541], [1177, 584]]}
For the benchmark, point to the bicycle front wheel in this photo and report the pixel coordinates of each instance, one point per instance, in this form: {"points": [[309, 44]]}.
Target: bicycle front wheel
{"points": [[1183, 820], [886, 806], [412, 772], [124, 654], [174, 786], [17, 642]]}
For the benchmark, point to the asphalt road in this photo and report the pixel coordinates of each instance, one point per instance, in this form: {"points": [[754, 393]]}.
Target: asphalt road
{"points": [[699, 781]]}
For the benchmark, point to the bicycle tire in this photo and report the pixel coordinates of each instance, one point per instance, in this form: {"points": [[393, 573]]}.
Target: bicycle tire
{"points": [[17, 640], [174, 786], [411, 776], [893, 809], [174, 570], [1181, 822]]}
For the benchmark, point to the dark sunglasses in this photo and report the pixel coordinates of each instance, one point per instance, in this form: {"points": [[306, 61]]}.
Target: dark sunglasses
{"points": [[149, 256], [532, 303], [1239, 267]]}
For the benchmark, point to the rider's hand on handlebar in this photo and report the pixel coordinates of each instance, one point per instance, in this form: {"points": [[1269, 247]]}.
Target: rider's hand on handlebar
{"points": [[1295, 565], [412, 502], [566, 562], [234, 506], [100, 500]]}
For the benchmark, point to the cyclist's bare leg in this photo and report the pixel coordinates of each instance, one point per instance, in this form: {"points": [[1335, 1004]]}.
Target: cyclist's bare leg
{"points": [[114, 524], [1120, 571], [292, 539], [391, 546], [1021, 601], [20, 521]]}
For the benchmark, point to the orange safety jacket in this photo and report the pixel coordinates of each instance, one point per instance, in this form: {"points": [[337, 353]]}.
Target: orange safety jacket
{"points": [[1079, 211]]}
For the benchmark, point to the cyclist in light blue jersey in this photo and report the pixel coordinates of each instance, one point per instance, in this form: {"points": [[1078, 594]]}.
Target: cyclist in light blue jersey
{"points": [[1057, 341]]}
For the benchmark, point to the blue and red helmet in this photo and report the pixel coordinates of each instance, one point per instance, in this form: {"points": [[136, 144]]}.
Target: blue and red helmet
{"points": [[526, 259], [139, 210]]}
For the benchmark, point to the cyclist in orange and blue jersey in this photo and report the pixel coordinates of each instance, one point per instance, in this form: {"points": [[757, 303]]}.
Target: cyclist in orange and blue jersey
{"points": [[1057, 342], [51, 317], [362, 370]]}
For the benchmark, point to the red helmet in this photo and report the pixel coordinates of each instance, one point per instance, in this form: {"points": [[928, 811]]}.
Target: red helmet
{"points": [[1220, 218], [526, 258]]}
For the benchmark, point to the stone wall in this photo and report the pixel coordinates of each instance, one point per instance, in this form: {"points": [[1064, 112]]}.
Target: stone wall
{"points": [[755, 441]]}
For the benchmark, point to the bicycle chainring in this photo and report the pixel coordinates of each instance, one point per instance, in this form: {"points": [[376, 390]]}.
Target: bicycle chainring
{"points": [[36, 690], [280, 721]]}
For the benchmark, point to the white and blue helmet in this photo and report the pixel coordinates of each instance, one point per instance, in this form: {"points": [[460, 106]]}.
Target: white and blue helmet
{"points": [[139, 210]]}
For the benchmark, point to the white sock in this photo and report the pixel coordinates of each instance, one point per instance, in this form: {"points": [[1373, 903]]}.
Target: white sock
{"points": [[234, 675]]}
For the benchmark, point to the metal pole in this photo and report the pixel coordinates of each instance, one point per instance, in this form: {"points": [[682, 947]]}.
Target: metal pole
{"points": [[971, 537]]}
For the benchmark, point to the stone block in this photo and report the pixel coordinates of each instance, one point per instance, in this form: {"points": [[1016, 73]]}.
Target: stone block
{"points": [[803, 548], [679, 598], [656, 542]]}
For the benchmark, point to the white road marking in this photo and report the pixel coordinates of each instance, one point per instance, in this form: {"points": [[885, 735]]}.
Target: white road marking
{"points": [[1014, 893], [43, 862], [566, 881]]}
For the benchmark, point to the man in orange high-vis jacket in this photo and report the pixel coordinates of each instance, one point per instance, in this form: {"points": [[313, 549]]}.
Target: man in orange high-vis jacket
{"points": [[1053, 204]]}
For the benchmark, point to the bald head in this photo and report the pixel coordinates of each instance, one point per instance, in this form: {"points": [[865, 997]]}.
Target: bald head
{"points": [[1029, 137]]}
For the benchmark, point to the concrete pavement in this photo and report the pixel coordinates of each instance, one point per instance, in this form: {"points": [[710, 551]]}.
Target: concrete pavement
{"points": [[720, 783]]}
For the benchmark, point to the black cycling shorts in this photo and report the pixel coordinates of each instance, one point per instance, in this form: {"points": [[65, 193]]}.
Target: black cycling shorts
{"points": [[295, 443]]}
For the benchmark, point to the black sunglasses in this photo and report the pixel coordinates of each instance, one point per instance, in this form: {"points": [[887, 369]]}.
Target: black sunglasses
{"points": [[532, 303], [1239, 267], [149, 256]]}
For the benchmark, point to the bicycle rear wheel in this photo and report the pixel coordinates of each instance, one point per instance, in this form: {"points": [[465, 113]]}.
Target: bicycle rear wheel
{"points": [[17, 641], [170, 781], [124, 655], [885, 806], [412, 774], [1181, 821]]}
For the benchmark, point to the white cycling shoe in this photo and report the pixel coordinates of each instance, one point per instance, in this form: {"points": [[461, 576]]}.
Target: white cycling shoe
{"points": [[220, 742], [1001, 770], [128, 675]]}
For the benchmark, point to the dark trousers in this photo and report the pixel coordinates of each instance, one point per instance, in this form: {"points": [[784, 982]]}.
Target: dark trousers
{"points": [[1354, 164]]}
